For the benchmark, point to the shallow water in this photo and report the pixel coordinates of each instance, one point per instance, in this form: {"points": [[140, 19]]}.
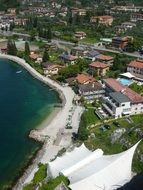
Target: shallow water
{"points": [[24, 103]]}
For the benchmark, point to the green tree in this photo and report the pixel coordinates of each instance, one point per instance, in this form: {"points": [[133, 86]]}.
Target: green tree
{"points": [[32, 35], [11, 47], [49, 34], [27, 49], [45, 56]]}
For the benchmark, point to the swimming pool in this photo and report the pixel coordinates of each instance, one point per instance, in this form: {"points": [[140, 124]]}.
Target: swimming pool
{"points": [[125, 82]]}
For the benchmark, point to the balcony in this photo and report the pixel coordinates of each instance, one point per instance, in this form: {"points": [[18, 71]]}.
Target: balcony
{"points": [[108, 110], [110, 101]]}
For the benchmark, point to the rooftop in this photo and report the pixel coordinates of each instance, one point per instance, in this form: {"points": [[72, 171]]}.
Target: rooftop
{"points": [[34, 56], [82, 78], [95, 86], [52, 66], [117, 87], [102, 17], [105, 57], [136, 64], [98, 64], [68, 57], [119, 97]]}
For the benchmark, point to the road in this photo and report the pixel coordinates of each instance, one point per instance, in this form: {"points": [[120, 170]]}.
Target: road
{"points": [[67, 44], [98, 48]]}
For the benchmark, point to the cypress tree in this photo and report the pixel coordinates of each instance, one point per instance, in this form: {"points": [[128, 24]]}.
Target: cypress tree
{"points": [[14, 48], [45, 56], [27, 49], [49, 34]]}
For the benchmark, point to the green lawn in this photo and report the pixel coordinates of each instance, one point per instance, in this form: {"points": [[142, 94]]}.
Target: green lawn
{"points": [[137, 88], [91, 117], [41, 174], [39, 177], [102, 139], [53, 183], [89, 40]]}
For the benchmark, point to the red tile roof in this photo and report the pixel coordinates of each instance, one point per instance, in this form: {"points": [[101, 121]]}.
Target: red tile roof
{"points": [[98, 64], [54, 66], [34, 56], [137, 64], [105, 57], [82, 79], [116, 86]]}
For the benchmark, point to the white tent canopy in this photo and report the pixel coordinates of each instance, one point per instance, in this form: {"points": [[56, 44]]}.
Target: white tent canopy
{"points": [[93, 170], [128, 75], [67, 160]]}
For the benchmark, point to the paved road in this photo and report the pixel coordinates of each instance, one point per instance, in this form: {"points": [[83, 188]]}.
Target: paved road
{"points": [[70, 44]]}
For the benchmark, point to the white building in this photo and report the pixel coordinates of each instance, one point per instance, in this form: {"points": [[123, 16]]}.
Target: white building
{"points": [[93, 170], [4, 26], [117, 104], [136, 100]]}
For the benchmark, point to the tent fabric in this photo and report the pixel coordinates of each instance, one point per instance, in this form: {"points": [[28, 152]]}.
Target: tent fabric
{"points": [[80, 164], [128, 75], [107, 172], [93, 170], [67, 160]]}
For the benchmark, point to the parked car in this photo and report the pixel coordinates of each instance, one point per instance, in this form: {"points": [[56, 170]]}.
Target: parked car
{"points": [[116, 124], [107, 126]]}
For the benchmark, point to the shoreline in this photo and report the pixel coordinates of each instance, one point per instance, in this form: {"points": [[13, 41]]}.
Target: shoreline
{"points": [[50, 132]]}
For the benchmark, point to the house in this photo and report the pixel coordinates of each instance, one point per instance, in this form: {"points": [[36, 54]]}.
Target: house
{"points": [[4, 26], [79, 51], [99, 68], [119, 29], [84, 79], [70, 81], [136, 100], [36, 57], [120, 42], [20, 21], [92, 55], [3, 50], [80, 35], [136, 17], [51, 69], [105, 20], [136, 68], [11, 11], [91, 91], [68, 59], [105, 59], [128, 25], [80, 12], [129, 8], [117, 104]]}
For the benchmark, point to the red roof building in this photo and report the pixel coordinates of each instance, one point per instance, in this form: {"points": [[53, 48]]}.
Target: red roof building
{"points": [[136, 68], [105, 20], [99, 68], [113, 85], [105, 59], [84, 79]]}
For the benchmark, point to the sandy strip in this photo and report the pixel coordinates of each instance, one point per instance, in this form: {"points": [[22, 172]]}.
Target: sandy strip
{"points": [[53, 127]]}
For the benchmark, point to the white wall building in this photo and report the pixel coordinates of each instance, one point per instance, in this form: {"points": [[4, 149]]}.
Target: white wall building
{"points": [[117, 104], [4, 26]]}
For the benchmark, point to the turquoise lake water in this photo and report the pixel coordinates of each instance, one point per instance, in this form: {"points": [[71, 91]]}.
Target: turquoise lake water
{"points": [[24, 103]]}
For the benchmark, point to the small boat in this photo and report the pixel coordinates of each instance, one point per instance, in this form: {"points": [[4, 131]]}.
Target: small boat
{"points": [[18, 72]]}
